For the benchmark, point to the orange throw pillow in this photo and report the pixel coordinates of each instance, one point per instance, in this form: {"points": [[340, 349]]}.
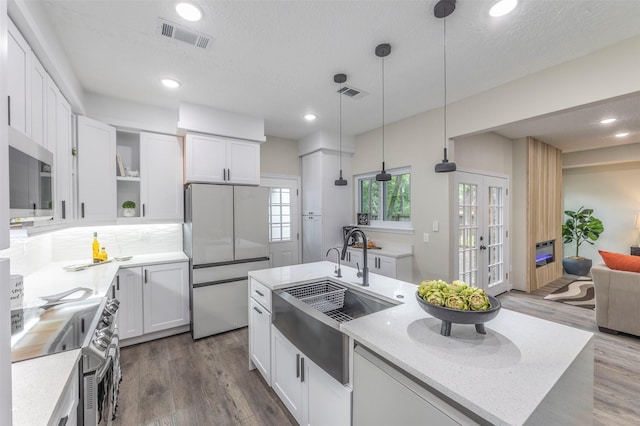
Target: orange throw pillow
{"points": [[621, 262]]}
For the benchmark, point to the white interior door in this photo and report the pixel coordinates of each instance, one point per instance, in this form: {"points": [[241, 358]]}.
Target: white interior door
{"points": [[284, 220], [481, 231]]}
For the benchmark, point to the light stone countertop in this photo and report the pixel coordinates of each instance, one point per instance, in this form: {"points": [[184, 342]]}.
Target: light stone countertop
{"points": [[502, 376], [38, 383]]}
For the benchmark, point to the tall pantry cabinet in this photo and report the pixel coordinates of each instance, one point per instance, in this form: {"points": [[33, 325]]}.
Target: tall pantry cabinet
{"points": [[326, 208]]}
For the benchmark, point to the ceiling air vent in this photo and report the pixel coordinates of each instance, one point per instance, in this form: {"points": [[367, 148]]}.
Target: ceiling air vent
{"points": [[352, 92], [176, 32]]}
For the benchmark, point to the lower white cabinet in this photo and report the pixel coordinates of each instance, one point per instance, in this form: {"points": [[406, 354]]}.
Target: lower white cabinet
{"points": [[128, 290], [389, 266], [260, 338], [66, 411], [152, 298], [312, 239], [311, 395]]}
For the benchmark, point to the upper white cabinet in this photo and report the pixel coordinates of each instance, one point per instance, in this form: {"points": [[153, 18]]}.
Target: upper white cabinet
{"points": [[18, 79], [312, 184], [96, 162], [213, 159], [60, 142], [161, 177], [38, 105]]}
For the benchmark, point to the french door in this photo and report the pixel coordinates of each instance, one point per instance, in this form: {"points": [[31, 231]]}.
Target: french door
{"points": [[481, 231]]}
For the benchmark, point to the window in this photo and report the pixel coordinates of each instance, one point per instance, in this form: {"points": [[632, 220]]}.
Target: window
{"points": [[387, 203], [279, 214]]}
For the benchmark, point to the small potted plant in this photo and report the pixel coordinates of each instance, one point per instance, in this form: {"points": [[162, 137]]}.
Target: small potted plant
{"points": [[580, 227], [129, 208]]}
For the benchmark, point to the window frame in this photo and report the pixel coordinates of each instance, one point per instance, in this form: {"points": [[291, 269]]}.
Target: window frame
{"points": [[383, 224]]}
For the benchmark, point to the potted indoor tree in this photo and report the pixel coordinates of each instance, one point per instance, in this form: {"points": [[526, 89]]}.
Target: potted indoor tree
{"points": [[129, 208], [580, 227]]}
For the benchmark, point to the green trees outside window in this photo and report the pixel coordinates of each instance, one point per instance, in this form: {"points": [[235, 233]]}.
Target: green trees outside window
{"points": [[386, 201]]}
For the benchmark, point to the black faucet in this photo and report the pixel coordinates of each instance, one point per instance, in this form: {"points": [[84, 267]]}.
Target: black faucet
{"points": [[365, 269]]}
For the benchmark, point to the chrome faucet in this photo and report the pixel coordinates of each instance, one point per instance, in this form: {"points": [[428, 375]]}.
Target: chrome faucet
{"points": [[337, 270], [365, 269]]}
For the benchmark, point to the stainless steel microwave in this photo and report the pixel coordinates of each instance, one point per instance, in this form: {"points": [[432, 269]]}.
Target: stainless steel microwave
{"points": [[30, 179]]}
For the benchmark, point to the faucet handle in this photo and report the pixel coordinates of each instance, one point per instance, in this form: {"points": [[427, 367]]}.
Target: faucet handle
{"points": [[359, 274]]}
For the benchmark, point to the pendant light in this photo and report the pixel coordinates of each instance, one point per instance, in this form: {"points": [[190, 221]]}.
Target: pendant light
{"points": [[442, 9], [340, 78], [382, 51]]}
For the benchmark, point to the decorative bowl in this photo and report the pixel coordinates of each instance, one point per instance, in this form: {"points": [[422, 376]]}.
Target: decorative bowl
{"points": [[449, 316]]}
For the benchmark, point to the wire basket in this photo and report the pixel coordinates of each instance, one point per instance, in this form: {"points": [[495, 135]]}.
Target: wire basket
{"points": [[323, 296]]}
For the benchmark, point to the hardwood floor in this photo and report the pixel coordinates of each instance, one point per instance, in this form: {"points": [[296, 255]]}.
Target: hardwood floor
{"points": [[176, 381]]}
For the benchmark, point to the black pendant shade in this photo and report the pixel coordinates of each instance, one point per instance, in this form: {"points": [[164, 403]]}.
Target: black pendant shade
{"points": [[442, 9], [340, 78], [382, 51]]}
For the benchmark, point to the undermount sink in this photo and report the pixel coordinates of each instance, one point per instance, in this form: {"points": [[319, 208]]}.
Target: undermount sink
{"points": [[309, 315]]}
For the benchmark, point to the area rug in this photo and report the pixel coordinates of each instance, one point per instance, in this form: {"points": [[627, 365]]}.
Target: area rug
{"points": [[578, 293]]}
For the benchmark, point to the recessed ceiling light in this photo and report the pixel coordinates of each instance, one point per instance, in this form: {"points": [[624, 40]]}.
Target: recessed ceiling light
{"points": [[310, 117], [608, 120], [502, 7], [622, 134], [189, 11], [171, 83]]}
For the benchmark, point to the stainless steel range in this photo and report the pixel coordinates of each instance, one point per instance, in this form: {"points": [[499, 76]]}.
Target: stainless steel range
{"points": [[89, 325]]}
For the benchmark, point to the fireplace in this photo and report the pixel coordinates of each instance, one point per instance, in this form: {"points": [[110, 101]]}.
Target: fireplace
{"points": [[545, 253]]}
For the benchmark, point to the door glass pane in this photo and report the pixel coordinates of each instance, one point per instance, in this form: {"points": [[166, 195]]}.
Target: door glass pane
{"points": [[468, 233], [279, 214], [495, 237]]}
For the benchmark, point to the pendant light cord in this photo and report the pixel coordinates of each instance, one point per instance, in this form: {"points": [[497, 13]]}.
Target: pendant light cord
{"points": [[444, 44], [383, 112], [340, 121]]}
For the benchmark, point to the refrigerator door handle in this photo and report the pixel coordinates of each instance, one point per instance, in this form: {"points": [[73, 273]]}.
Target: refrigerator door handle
{"points": [[228, 280]]}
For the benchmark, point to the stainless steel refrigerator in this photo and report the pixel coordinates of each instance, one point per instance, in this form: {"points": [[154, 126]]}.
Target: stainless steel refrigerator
{"points": [[225, 235]]}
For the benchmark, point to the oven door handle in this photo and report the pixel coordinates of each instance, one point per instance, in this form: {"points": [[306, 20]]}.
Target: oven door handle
{"points": [[103, 371]]}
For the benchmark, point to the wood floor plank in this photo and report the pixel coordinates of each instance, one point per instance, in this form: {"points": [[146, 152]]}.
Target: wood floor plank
{"points": [[155, 394]]}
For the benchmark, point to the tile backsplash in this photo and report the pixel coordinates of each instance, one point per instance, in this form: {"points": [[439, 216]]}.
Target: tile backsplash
{"points": [[74, 244]]}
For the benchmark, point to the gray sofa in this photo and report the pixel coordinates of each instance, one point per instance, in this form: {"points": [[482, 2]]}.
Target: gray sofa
{"points": [[617, 300]]}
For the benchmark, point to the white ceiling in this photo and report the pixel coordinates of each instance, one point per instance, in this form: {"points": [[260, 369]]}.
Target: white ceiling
{"points": [[276, 59]]}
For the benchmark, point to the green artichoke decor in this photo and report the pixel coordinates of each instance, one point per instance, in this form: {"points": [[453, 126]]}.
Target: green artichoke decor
{"points": [[457, 295]]}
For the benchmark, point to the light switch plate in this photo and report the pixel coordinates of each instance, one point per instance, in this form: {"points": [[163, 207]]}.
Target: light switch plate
{"points": [[425, 237], [436, 226]]}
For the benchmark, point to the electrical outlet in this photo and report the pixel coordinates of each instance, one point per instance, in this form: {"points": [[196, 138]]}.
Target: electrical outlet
{"points": [[425, 237]]}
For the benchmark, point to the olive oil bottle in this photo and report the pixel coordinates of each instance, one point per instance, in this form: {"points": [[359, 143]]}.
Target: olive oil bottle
{"points": [[95, 246]]}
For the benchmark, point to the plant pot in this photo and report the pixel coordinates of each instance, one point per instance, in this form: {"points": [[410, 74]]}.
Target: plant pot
{"points": [[129, 212], [577, 266]]}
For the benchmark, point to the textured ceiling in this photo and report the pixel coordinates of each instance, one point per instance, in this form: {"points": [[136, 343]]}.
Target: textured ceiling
{"points": [[276, 59]]}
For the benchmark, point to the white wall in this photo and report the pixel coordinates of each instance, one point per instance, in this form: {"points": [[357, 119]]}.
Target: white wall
{"points": [[613, 192], [279, 156]]}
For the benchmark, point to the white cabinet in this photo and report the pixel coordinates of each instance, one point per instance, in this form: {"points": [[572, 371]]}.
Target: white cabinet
{"points": [[60, 142], [161, 177], [389, 266], [128, 290], [312, 239], [312, 184], [311, 395], [165, 293], [287, 377], [18, 79], [383, 265], [260, 338], [320, 197], [382, 395], [213, 159], [38, 105], [66, 410], [96, 162]]}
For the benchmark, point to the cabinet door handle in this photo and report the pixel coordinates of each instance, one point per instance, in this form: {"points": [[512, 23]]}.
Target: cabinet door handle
{"points": [[143, 210], [118, 283], [63, 421], [257, 310], [146, 275], [229, 174], [302, 368], [82, 209], [297, 365], [113, 292], [9, 110], [64, 209], [224, 175], [259, 293]]}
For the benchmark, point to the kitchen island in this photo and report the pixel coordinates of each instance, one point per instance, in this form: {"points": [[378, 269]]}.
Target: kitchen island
{"points": [[523, 371]]}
